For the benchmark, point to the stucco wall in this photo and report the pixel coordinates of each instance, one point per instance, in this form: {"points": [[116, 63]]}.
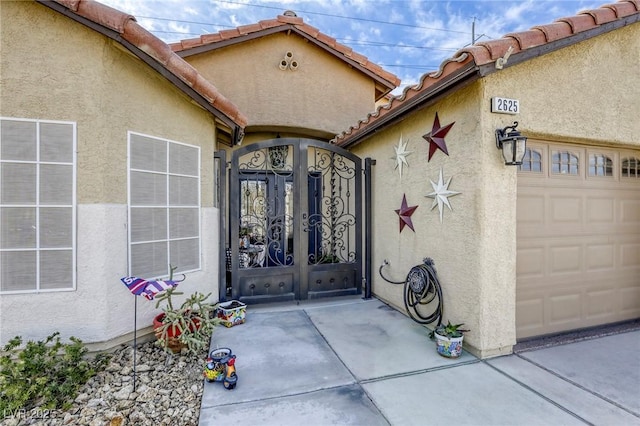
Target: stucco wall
{"points": [[324, 95], [584, 93], [56, 69], [477, 285]]}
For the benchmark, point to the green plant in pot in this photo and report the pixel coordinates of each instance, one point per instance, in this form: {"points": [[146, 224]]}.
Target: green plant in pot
{"points": [[186, 326], [449, 339]]}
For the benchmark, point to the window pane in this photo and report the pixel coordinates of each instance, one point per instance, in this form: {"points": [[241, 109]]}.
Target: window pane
{"points": [[150, 260], [148, 154], [183, 223], [184, 254], [631, 167], [152, 229], [18, 270], [56, 184], [600, 165], [148, 189], [148, 224], [18, 183], [56, 269], [18, 140], [536, 161], [56, 143], [56, 227], [30, 190], [184, 160], [183, 191], [564, 163], [532, 161], [18, 227]]}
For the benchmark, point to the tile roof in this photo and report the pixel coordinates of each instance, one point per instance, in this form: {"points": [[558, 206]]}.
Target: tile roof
{"points": [[493, 52], [286, 22], [128, 30]]}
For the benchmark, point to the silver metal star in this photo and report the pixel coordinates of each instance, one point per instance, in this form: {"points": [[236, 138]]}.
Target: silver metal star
{"points": [[441, 194], [401, 155]]}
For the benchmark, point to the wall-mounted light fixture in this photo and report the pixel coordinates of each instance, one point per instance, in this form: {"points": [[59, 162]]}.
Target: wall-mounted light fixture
{"points": [[512, 144]]}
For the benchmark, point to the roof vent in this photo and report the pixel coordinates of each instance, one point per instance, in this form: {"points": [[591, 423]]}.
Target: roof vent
{"points": [[290, 13]]}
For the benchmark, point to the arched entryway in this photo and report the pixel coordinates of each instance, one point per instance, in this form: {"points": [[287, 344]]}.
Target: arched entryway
{"points": [[295, 221]]}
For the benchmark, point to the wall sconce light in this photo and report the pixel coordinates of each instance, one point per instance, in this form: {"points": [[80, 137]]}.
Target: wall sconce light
{"points": [[512, 144]]}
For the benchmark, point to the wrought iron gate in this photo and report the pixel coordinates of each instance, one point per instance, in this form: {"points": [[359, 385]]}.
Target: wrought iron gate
{"points": [[295, 221]]}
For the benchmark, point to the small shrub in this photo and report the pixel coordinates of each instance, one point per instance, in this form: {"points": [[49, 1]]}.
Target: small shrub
{"points": [[189, 325], [449, 330], [192, 323], [46, 373]]}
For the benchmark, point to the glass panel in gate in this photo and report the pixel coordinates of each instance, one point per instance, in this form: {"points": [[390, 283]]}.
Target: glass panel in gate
{"points": [[266, 208]]}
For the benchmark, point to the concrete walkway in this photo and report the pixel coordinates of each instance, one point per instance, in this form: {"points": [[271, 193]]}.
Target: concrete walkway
{"points": [[360, 362]]}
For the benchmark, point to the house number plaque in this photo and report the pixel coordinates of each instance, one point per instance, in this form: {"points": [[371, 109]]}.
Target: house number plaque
{"points": [[505, 106]]}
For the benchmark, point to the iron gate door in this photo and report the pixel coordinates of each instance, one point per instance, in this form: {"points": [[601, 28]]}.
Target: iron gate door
{"points": [[295, 221]]}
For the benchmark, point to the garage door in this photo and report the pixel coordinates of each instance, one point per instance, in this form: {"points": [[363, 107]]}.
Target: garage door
{"points": [[578, 238]]}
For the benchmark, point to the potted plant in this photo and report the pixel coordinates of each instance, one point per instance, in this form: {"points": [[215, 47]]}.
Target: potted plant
{"points": [[187, 326], [448, 339]]}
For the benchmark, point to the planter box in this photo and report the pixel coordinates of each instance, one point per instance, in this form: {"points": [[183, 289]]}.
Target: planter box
{"points": [[232, 313]]}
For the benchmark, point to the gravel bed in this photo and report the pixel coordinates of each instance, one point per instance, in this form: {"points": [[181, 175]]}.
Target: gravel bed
{"points": [[168, 392]]}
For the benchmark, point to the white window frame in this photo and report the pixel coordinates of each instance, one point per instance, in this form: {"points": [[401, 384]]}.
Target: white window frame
{"points": [[166, 206], [607, 155], [626, 157], [528, 161], [38, 206]]}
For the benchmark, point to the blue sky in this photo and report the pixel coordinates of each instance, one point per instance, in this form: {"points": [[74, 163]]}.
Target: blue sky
{"points": [[405, 37]]}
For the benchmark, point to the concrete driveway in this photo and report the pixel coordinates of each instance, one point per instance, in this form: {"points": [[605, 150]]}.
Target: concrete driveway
{"points": [[360, 362]]}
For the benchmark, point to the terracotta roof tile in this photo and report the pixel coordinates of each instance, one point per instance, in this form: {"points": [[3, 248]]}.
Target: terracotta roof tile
{"points": [[105, 15], [361, 59], [247, 29], [209, 38], [152, 46], [269, 23], [579, 23], [328, 40], [497, 48], [192, 42], [133, 33], [528, 39], [70, 4], [227, 34], [555, 31], [293, 20], [625, 8], [290, 22], [312, 31], [602, 15], [346, 51], [487, 52]]}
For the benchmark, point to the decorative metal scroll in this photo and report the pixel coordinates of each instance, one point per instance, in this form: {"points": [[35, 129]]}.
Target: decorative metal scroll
{"points": [[331, 222], [266, 206]]}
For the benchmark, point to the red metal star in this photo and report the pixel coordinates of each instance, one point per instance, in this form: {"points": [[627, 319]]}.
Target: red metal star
{"points": [[436, 137], [405, 212]]}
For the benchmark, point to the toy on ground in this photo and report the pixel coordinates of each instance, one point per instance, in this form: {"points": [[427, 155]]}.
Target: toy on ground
{"points": [[220, 367]]}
